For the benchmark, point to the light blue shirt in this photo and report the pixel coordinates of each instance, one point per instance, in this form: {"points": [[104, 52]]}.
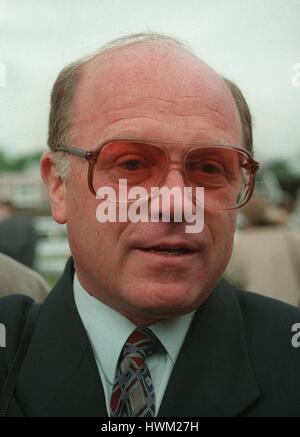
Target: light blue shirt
{"points": [[108, 330]]}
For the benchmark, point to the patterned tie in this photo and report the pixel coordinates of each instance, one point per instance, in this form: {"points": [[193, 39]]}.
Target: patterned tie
{"points": [[133, 393]]}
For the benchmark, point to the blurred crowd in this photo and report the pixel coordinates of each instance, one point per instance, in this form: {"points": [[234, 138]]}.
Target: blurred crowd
{"points": [[266, 253]]}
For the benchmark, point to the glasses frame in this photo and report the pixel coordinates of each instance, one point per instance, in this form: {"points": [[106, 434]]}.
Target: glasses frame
{"points": [[92, 156]]}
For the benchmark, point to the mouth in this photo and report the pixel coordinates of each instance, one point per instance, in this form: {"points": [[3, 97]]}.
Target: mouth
{"points": [[168, 251]]}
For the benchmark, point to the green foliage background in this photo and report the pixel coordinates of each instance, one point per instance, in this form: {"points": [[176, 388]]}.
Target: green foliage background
{"points": [[18, 163]]}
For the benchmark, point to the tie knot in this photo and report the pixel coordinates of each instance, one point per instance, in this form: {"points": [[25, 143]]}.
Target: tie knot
{"points": [[142, 342]]}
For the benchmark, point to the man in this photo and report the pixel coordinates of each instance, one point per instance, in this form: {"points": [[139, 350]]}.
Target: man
{"points": [[153, 115]]}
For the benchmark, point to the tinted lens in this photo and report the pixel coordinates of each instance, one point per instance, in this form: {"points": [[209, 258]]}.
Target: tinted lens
{"points": [[222, 172], [140, 164]]}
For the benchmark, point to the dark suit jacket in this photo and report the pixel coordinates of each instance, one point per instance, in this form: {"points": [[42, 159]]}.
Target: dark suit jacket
{"points": [[237, 359]]}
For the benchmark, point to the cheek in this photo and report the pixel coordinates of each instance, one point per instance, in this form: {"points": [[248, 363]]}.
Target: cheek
{"points": [[221, 226], [87, 233], [94, 245]]}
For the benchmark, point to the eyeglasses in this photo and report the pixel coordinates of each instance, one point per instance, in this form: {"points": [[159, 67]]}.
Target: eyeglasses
{"points": [[226, 173]]}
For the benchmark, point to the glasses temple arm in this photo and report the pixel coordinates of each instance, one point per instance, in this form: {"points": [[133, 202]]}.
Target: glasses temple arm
{"points": [[73, 151]]}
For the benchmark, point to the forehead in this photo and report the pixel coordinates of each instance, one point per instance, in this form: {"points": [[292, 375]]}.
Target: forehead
{"points": [[148, 87]]}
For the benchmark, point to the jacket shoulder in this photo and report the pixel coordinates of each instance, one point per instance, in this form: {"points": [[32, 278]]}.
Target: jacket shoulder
{"points": [[18, 278], [272, 333], [268, 324], [13, 313], [257, 309]]}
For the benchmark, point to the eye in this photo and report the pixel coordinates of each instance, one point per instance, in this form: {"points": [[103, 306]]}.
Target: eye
{"points": [[208, 167], [211, 168], [132, 164]]}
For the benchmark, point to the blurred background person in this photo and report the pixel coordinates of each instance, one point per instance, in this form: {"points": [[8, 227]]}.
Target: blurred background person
{"points": [[15, 278], [266, 254], [294, 219], [18, 236]]}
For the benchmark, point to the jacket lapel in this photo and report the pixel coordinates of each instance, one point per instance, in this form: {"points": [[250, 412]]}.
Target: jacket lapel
{"points": [[59, 376], [212, 375]]}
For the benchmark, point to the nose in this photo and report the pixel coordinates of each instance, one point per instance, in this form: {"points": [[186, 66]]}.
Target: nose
{"points": [[174, 176], [169, 204]]}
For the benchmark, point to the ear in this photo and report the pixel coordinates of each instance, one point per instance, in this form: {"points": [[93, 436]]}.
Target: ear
{"points": [[56, 187]]}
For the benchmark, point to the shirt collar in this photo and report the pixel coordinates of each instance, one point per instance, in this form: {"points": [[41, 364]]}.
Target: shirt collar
{"points": [[108, 330]]}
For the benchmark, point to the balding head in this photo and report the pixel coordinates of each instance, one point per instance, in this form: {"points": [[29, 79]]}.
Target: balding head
{"points": [[126, 81], [128, 53]]}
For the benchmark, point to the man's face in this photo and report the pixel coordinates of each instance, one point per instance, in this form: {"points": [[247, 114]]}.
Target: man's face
{"points": [[148, 91]]}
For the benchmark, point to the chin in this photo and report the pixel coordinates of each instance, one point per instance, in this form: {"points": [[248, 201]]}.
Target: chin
{"points": [[165, 300]]}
